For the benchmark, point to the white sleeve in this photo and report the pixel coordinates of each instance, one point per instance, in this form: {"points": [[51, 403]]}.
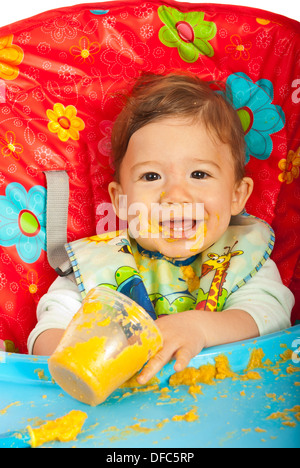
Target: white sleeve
{"points": [[266, 299], [56, 308]]}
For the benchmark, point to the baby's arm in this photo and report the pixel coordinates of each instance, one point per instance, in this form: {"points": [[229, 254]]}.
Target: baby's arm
{"points": [[263, 305], [47, 341], [266, 299], [54, 313]]}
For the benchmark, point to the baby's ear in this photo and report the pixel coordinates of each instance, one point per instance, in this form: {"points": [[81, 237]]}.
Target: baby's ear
{"points": [[118, 200], [241, 193]]}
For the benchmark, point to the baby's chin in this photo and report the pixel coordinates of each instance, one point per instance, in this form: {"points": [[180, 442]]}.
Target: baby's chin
{"points": [[177, 249]]}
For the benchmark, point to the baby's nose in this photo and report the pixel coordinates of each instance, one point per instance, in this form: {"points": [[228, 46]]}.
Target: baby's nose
{"points": [[176, 193]]}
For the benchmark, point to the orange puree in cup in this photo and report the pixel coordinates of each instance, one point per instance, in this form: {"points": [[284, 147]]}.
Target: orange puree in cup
{"points": [[104, 348]]}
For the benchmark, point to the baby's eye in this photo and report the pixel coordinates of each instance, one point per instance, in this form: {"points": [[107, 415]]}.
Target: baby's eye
{"points": [[150, 176], [199, 175]]}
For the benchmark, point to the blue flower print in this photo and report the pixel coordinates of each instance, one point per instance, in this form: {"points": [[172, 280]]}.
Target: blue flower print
{"points": [[99, 12], [23, 220], [260, 118]]}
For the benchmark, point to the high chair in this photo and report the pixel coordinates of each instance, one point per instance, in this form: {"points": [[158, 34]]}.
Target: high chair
{"points": [[62, 76]]}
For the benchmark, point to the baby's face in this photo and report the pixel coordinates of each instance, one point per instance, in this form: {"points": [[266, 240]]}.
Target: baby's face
{"points": [[179, 186]]}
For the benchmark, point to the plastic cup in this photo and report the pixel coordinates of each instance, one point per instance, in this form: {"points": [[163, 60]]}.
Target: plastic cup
{"points": [[108, 340]]}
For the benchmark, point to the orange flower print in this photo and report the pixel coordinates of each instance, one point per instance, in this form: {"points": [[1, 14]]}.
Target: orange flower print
{"points": [[64, 122], [11, 55], [30, 284], [290, 167], [85, 50], [10, 147], [238, 49]]}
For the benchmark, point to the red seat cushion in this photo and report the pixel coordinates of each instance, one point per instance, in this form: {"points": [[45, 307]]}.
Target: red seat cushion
{"points": [[61, 73]]}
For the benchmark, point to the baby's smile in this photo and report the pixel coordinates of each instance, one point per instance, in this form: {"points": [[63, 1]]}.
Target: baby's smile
{"points": [[176, 221], [179, 228]]}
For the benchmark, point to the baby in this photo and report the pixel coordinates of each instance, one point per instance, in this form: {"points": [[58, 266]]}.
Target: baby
{"points": [[179, 154]]}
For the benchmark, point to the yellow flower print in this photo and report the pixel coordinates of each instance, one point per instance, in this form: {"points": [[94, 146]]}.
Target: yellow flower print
{"points": [[290, 167], [64, 122], [263, 21], [85, 50], [11, 55], [10, 146]]}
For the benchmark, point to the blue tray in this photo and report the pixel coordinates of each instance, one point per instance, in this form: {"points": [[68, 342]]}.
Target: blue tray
{"points": [[232, 413]]}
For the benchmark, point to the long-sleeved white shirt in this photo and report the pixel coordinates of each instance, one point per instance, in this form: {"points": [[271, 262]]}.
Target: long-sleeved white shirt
{"points": [[264, 297]]}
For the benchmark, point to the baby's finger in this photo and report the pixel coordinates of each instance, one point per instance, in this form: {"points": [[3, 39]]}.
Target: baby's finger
{"points": [[155, 365], [183, 357]]}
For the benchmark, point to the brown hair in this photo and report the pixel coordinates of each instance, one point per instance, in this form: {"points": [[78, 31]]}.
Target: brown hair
{"points": [[155, 97]]}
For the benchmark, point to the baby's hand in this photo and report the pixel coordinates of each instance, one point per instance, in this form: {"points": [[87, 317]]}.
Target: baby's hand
{"points": [[183, 339]]}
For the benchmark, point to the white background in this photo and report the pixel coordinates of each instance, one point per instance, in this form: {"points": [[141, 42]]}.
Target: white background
{"points": [[15, 10]]}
